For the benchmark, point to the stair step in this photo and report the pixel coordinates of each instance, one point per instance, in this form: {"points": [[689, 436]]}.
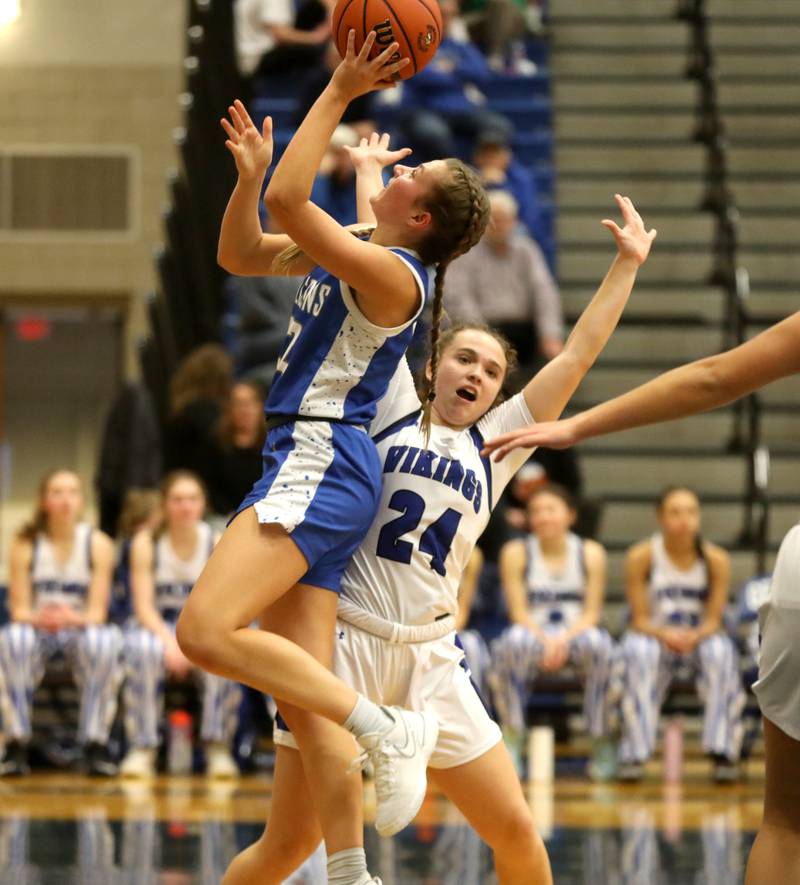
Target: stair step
{"points": [[581, 263], [752, 9], [701, 304], [653, 34], [621, 161], [683, 192], [586, 59], [593, 89], [753, 192], [564, 10], [744, 123], [755, 230], [691, 227], [624, 123], [759, 35], [776, 60], [778, 160]]}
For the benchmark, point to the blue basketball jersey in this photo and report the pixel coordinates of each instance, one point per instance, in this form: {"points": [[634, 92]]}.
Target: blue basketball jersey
{"points": [[336, 363]]}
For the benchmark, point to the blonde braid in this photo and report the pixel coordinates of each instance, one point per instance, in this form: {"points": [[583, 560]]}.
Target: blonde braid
{"points": [[476, 224]]}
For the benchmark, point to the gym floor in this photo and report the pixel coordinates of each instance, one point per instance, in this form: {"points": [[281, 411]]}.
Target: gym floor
{"points": [[63, 828]]}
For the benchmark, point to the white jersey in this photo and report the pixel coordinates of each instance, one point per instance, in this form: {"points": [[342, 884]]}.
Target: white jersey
{"points": [[677, 596], [175, 577], [55, 583], [555, 598], [778, 686], [435, 503]]}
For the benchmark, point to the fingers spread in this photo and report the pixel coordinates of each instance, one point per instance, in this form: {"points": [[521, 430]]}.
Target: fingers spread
{"points": [[229, 130], [242, 111], [366, 48]]}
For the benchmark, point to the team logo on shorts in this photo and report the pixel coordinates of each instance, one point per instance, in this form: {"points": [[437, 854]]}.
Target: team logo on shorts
{"points": [[426, 40]]}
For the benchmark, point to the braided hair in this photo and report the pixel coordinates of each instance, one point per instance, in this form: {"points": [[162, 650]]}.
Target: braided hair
{"points": [[459, 210]]}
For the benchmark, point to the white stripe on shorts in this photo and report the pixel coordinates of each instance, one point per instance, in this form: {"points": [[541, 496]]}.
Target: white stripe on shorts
{"points": [[298, 478]]}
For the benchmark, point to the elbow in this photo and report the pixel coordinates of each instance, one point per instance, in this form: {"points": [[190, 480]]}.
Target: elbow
{"points": [[226, 260], [710, 382], [278, 201]]}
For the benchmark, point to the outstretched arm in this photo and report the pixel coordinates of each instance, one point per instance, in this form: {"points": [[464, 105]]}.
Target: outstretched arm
{"points": [[244, 249], [696, 387], [551, 388]]}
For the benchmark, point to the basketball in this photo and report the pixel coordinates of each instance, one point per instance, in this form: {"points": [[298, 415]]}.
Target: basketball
{"points": [[415, 24]]}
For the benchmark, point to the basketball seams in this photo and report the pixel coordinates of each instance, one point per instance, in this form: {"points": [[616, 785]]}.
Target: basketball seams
{"points": [[409, 44], [421, 17], [337, 25], [436, 16]]}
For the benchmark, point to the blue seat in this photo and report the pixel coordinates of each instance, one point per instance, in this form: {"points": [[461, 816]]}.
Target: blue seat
{"points": [[282, 110], [526, 115], [518, 87]]}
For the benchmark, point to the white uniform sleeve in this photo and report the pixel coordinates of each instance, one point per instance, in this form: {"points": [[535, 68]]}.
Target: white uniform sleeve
{"points": [[778, 686], [399, 400], [510, 415]]}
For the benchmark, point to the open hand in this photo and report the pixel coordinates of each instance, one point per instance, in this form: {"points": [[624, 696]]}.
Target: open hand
{"points": [[552, 434], [375, 152], [633, 240], [358, 74], [251, 149]]}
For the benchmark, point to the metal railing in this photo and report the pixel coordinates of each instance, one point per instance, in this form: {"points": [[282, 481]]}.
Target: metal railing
{"points": [[734, 279]]}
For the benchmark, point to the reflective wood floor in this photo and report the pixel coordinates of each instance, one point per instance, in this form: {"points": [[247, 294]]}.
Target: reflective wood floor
{"points": [[60, 828]]}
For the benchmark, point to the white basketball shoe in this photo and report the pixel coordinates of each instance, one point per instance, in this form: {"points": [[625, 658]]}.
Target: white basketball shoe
{"points": [[400, 759]]}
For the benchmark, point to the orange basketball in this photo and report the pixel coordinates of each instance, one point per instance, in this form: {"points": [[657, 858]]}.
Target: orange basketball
{"points": [[415, 24]]}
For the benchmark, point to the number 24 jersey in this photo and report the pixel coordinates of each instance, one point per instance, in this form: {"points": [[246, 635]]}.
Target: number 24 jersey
{"points": [[435, 503]]}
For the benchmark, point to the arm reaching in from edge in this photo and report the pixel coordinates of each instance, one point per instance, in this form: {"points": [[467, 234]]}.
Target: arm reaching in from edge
{"points": [[696, 387]]}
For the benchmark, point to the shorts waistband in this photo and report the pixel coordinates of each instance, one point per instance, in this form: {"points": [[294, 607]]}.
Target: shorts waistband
{"points": [[274, 421], [357, 617]]}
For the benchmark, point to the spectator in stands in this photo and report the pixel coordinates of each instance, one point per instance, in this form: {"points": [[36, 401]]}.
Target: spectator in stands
{"points": [[335, 185], [164, 567], [199, 390], [60, 581], [443, 101], [499, 27], [505, 281], [554, 584], [234, 456], [141, 510], [360, 113], [271, 38], [677, 587], [499, 170]]}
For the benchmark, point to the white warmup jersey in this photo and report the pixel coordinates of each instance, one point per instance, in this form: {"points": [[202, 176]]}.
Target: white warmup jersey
{"points": [[677, 596], [175, 577], [778, 686], [435, 504], [55, 583], [555, 599]]}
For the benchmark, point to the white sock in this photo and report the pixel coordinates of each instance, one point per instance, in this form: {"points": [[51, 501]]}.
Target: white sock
{"points": [[348, 867], [367, 718]]}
